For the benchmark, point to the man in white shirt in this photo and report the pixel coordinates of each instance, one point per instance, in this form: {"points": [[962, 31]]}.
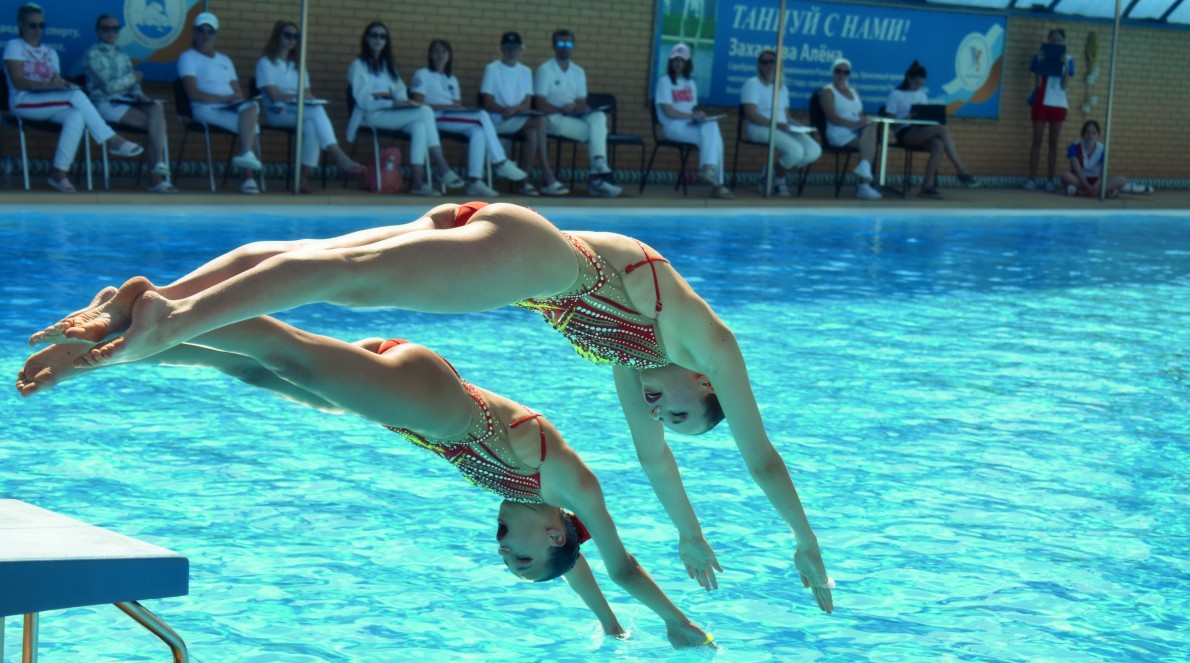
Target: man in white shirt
{"points": [[507, 94], [560, 91]]}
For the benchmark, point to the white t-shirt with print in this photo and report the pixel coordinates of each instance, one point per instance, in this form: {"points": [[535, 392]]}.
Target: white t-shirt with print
{"points": [[38, 63], [682, 96]]}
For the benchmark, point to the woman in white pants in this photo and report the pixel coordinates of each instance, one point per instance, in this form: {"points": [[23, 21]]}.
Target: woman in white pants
{"points": [[435, 86], [797, 149], [676, 97], [277, 80], [382, 101], [210, 81], [36, 91]]}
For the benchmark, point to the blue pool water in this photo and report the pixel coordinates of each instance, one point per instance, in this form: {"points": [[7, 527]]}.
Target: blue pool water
{"points": [[986, 417]]}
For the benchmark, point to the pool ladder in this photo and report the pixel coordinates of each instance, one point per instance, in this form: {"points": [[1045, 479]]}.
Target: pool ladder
{"points": [[133, 609]]}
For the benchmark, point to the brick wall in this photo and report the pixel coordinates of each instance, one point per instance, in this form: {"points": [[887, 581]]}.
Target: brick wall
{"points": [[614, 45]]}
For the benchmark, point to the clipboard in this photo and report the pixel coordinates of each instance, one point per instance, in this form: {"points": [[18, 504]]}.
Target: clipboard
{"points": [[709, 118], [1053, 60]]}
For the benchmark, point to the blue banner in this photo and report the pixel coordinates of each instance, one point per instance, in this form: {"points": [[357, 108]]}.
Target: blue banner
{"points": [[963, 52], [154, 33]]}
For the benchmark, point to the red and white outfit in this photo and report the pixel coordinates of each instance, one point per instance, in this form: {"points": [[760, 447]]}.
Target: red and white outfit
{"points": [[378, 112], [797, 150], [565, 86], [213, 74], [1049, 99], [508, 86], [1092, 163], [70, 108], [438, 89], [682, 96], [317, 132]]}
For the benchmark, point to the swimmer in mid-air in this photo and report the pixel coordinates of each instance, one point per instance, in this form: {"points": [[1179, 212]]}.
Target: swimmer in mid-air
{"points": [[499, 445], [618, 301]]}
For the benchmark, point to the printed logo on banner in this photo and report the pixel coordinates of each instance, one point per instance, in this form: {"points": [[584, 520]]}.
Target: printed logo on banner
{"points": [[155, 23], [973, 61]]}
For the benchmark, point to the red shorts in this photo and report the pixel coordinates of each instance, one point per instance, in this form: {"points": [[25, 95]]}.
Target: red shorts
{"points": [[1043, 113], [1092, 180]]}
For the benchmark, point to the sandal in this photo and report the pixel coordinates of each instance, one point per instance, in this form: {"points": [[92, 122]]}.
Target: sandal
{"points": [[63, 185], [128, 149]]}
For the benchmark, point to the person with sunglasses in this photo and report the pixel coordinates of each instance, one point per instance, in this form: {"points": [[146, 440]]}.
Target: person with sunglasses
{"points": [[552, 501], [115, 90], [277, 80], [506, 93], [436, 86], [37, 91], [210, 81], [560, 91], [620, 304], [382, 101], [848, 126], [797, 149]]}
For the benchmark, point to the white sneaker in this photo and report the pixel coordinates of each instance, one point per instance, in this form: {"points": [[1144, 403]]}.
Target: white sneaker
{"points": [[1030, 185], [709, 174], [866, 192], [527, 189], [451, 180], [603, 189], [425, 190], [599, 167], [1049, 186], [480, 189], [1071, 190], [510, 171], [863, 171], [555, 189], [249, 187], [246, 160], [161, 169], [1137, 188], [780, 188]]}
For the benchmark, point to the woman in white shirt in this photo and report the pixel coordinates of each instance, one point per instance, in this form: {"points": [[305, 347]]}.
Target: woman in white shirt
{"points": [[676, 97], [382, 101], [797, 150], [213, 88], [36, 91], [435, 86], [847, 125], [936, 138], [277, 80]]}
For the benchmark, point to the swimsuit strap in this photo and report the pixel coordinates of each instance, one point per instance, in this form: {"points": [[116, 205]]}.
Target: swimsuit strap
{"points": [[529, 417], [650, 261]]}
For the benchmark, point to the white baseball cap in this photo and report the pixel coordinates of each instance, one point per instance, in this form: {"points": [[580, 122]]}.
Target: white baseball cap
{"points": [[206, 18]]}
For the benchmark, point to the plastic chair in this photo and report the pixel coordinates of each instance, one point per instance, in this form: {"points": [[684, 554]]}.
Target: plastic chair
{"points": [[741, 138], [376, 134], [289, 133]]}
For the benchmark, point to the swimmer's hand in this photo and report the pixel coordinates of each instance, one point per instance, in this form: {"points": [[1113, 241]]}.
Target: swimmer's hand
{"points": [[808, 560], [700, 561], [685, 635]]}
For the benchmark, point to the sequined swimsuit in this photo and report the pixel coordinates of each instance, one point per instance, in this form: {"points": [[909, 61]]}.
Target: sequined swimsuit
{"points": [[596, 316], [483, 454]]}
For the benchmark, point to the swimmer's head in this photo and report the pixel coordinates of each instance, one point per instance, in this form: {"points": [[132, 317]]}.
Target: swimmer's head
{"points": [[538, 542], [682, 400]]}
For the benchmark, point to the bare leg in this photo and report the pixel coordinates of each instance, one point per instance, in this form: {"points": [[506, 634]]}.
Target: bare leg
{"points": [[344, 162], [1116, 184], [1051, 163], [936, 147], [94, 323], [1035, 148], [418, 271], [867, 144]]}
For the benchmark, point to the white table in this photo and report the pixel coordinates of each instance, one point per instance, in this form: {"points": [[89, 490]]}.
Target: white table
{"points": [[886, 130], [50, 562]]}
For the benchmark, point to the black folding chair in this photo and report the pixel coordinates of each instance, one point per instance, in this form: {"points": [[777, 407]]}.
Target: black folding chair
{"points": [[14, 120], [818, 121], [614, 137], [660, 141], [186, 117]]}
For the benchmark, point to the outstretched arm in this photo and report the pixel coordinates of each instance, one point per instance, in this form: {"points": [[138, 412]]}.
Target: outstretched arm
{"points": [[648, 435], [709, 347], [566, 481], [582, 581]]}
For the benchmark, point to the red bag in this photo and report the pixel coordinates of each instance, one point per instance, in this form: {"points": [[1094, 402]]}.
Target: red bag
{"points": [[390, 173]]}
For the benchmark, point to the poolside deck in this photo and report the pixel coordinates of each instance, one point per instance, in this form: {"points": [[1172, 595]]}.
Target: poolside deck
{"points": [[655, 195]]}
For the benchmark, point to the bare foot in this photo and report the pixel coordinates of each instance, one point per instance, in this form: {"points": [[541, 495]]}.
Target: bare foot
{"points": [[145, 336], [49, 367], [94, 324]]}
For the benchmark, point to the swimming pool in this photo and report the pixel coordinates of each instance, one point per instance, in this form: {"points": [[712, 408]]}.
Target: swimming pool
{"points": [[985, 416]]}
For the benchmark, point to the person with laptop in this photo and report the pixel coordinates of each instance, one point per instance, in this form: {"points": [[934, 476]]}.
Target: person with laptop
{"points": [[909, 100], [1052, 67]]}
